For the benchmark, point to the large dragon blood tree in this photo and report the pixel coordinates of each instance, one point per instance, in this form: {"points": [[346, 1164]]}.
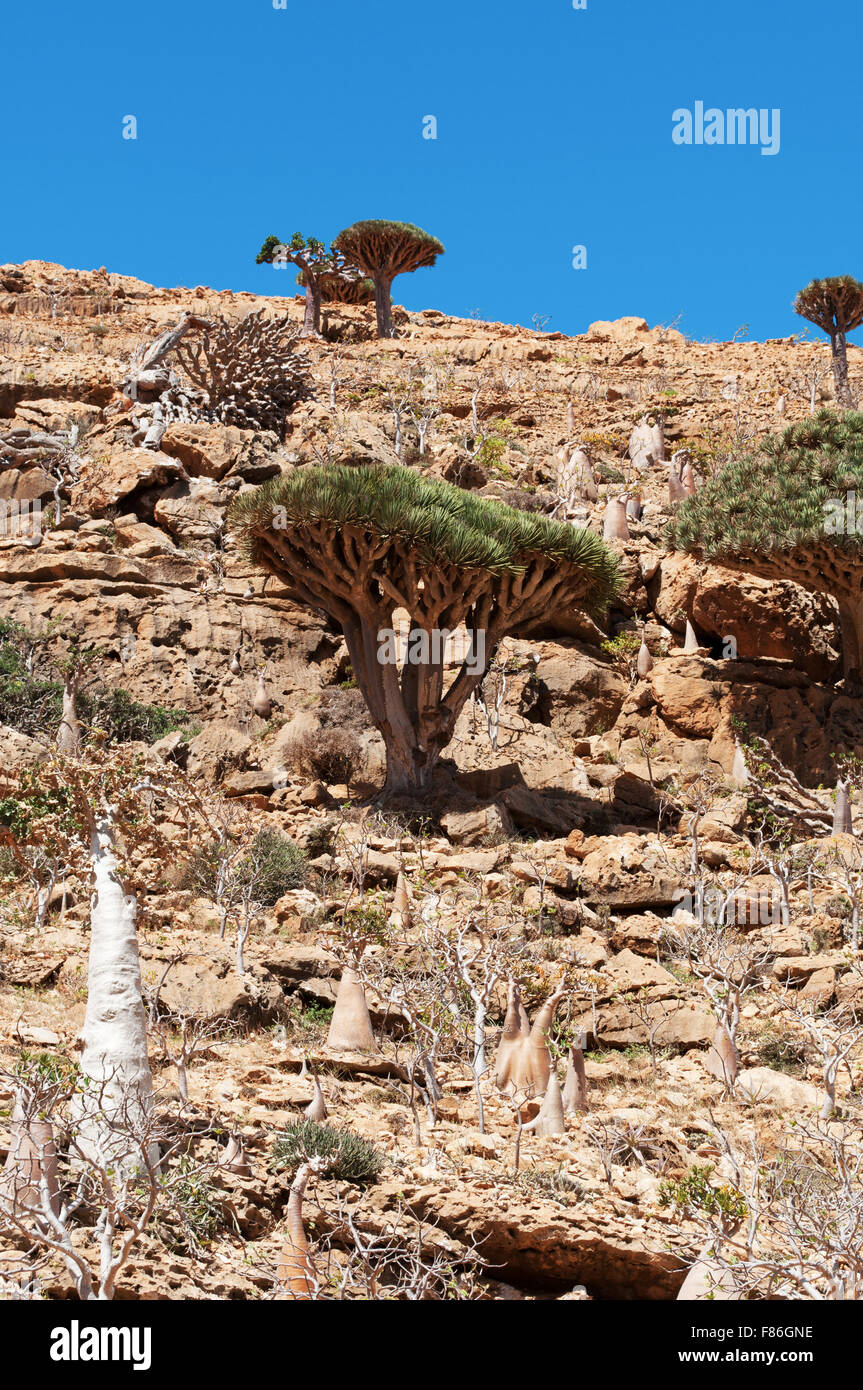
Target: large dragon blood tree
{"points": [[361, 543], [791, 510], [383, 250]]}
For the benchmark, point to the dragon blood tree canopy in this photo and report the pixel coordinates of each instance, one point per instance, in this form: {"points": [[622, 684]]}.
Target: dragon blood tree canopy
{"points": [[384, 250], [792, 509], [361, 543]]}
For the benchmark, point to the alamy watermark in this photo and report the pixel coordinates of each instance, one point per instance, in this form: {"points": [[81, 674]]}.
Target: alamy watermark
{"points": [[734, 126], [77, 1343], [844, 516], [416, 646], [20, 518]]}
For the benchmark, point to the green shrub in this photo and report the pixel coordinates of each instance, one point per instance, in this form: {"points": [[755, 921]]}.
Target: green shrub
{"points": [[351, 1159], [272, 863], [277, 864], [695, 1190], [27, 703], [125, 720], [194, 1215], [33, 704]]}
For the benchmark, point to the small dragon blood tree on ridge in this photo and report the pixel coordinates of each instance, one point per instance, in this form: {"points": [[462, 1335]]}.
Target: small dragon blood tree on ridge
{"points": [[789, 511], [360, 543], [383, 250], [323, 274], [836, 306]]}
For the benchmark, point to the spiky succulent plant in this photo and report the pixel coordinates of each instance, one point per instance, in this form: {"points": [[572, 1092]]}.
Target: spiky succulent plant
{"points": [[789, 510]]}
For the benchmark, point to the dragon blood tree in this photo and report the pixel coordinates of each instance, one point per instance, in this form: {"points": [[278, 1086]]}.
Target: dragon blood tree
{"points": [[836, 306], [383, 250], [341, 287], [318, 268], [360, 543], [789, 511]]}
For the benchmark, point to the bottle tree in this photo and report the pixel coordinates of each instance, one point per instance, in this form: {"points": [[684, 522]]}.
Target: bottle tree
{"points": [[383, 250], [836, 306], [790, 510], [361, 543]]}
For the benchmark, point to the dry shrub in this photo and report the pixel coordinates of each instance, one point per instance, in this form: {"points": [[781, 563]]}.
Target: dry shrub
{"points": [[328, 755]]}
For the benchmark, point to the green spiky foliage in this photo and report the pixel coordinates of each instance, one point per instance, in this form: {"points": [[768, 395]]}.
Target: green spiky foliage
{"points": [[360, 543], [383, 250], [836, 306], [789, 510]]}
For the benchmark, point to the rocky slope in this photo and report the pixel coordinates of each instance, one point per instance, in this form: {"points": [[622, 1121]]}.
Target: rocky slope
{"points": [[572, 825]]}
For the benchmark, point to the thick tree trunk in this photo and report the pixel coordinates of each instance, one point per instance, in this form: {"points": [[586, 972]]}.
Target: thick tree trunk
{"points": [[840, 370], [119, 1094], [312, 316], [383, 306], [409, 769]]}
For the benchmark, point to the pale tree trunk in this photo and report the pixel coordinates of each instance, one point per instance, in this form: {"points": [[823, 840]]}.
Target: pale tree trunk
{"points": [[480, 1063], [244, 925], [114, 1059]]}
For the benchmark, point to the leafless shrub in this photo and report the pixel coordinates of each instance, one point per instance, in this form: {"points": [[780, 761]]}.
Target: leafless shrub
{"points": [[331, 755]]}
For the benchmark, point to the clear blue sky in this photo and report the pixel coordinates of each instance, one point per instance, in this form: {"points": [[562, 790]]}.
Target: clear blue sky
{"points": [[554, 129]]}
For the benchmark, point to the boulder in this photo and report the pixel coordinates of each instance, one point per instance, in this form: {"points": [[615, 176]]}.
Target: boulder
{"points": [[207, 988], [213, 450], [785, 1092], [193, 511], [479, 827], [217, 748], [629, 871]]}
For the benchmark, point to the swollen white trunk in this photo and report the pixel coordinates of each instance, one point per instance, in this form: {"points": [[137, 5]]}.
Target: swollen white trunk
{"points": [[119, 1096]]}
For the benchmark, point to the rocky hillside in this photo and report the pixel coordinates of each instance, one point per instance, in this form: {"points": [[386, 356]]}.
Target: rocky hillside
{"points": [[586, 808]]}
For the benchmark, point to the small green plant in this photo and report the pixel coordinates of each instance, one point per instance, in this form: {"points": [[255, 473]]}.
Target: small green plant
{"points": [[46, 1065], [695, 1190], [554, 1183], [350, 1158], [623, 651], [124, 720], [782, 1054], [278, 865], [198, 1211]]}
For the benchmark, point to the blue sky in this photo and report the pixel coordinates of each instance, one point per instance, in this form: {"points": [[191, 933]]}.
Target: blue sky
{"points": [[554, 130]]}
